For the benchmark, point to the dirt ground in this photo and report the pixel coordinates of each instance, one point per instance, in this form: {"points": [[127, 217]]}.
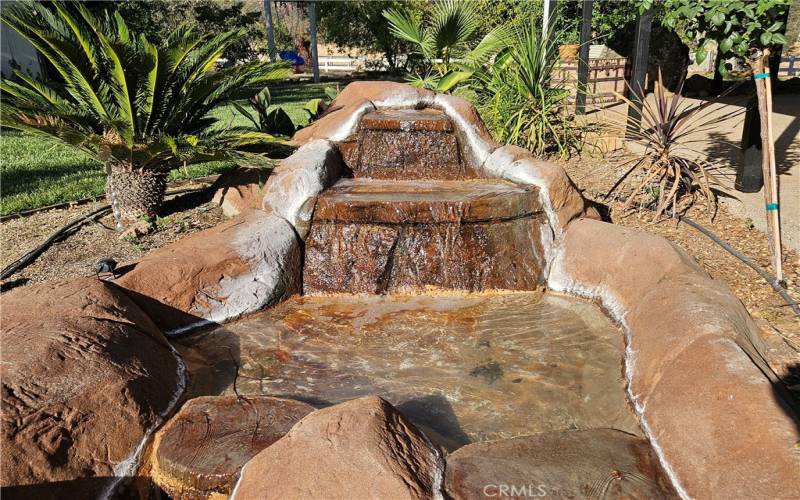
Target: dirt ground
{"points": [[594, 176], [77, 254]]}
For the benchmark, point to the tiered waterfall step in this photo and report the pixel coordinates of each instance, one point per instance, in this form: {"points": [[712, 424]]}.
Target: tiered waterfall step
{"points": [[403, 144], [378, 236]]}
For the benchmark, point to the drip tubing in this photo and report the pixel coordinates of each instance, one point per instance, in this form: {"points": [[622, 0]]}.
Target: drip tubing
{"points": [[66, 230], [772, 280]]}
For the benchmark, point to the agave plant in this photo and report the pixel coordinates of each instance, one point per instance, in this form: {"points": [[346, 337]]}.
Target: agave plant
{"points": [[521, 101], [444, 42], [668, 172], [138, 108]]}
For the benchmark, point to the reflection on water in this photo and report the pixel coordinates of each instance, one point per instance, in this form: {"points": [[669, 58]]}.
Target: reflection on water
{"points": [[465, 367]]}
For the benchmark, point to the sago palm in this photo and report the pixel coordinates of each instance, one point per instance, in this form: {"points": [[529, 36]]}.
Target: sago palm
{"points": [[444, 42], [138, 108]]}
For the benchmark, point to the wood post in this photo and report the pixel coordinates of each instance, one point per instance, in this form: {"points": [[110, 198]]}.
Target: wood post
{"points": [[270, 29], [583, 58], [312, 22], [640, 55], [760, 66]]}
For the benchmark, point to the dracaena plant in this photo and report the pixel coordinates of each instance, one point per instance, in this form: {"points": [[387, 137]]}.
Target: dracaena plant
{"points": [[138, 108], [667, 173], [446, 42]]}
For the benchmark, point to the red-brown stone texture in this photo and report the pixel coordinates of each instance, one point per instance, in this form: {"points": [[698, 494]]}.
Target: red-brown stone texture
{"points": [[215, 275], [595, 463], [239, 190], [363, 448], [199, 452], [86, 376], [561, 200], [705, 396], [383, 236]]}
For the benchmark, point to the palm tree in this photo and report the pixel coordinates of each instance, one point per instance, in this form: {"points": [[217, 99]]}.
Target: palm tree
{"points": [[444, 41], [139, 109]]}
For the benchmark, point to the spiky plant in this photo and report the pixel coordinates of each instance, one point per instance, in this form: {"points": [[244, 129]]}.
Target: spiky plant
{"points": [[668, 172], [444, 42], [521, 101], [138, 108]]}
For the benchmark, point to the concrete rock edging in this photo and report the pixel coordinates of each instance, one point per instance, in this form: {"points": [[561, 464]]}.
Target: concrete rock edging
{"points": [[704, 395], [87, 378], [243, 265], [294, 184]]}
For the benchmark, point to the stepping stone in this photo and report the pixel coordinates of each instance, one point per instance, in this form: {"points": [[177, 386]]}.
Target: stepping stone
{"points": [[594, 463], [199, 452]]}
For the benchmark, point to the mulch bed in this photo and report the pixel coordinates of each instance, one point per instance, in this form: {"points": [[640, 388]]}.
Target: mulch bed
{"points": [[594, 176], [76, 255]]}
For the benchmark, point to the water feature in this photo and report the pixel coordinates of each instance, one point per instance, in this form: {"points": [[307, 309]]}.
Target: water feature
{"points": [[423, 283]]}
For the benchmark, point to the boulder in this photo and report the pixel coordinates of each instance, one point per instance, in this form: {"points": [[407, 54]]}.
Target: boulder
{"points": [[199, 452], [238, 267], [363, 448], [295, 183], [695, 365], [239, 189], [594, 463], [86, 377]]}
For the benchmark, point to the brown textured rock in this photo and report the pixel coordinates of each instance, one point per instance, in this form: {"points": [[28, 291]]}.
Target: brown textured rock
{"points": [[363, 448], [239, 189], [408, 144], [729, 436], [235, 268], [379, 237], [340, 122], [199, 452], [86, 375], [595, 463], [710, 402], [368, 201]]}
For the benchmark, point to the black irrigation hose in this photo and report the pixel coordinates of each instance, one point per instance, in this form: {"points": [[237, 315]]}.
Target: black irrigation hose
{"points": [[772, 280], [31, 256]]}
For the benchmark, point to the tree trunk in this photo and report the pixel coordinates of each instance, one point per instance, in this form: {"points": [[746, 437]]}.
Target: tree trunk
{"points": [[134, 193]]}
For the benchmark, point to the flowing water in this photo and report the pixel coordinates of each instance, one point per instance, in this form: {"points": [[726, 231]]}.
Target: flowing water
{"points": [[465, 367]]}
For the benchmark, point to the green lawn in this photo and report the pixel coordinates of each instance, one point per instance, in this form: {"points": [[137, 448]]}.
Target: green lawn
{"points": [[35, 172]]}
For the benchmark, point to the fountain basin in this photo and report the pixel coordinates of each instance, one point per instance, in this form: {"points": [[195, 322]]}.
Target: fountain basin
{"points": [[465, 367]]}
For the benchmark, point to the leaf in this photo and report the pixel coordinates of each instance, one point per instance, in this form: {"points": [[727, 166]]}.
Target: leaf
{"points": [[725, 45], [279, 122], [778, 39], [717, 19], [700, 53], [765, 38]]}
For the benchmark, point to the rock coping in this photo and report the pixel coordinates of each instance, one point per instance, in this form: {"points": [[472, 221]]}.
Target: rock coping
{"points": [[425, 202]]}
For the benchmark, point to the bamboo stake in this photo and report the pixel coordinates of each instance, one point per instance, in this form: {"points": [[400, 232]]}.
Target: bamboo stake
{"points": [[775, 214], [760, 66]]}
